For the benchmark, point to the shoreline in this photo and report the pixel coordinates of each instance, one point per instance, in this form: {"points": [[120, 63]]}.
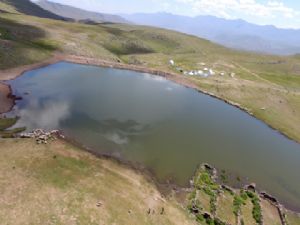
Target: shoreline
{"points": [[11, 74], [169, 184], [7, 101], [164, 187]]}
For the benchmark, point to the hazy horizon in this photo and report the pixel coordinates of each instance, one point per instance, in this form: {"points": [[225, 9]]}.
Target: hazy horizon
{"points": [[282, 14]]}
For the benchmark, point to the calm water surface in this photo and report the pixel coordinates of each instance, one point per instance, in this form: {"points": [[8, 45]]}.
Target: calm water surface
{"points": [[166, 127]]}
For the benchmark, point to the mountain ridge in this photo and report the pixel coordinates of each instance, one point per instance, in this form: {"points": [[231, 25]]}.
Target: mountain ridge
{"points": [[29, 8], [238, 34], [79, 14]]}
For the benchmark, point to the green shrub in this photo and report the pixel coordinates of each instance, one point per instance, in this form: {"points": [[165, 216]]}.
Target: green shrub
{"points": [[4, 34], [199, 218], [127, 47], [7, 122], [244, 195], [192, 195], [213, 204], [11, 133], [238, 201], [45, 44], [256, 211]]}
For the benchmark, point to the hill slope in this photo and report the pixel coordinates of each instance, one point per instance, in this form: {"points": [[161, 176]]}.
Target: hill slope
{"points": [[237, 34], [67, 182], [78, 14], [29, 8]]}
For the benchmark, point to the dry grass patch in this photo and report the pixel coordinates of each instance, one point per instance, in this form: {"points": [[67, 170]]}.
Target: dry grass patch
{"points": [[225, 208], [270, 213], [247, 213], [204, 199]]}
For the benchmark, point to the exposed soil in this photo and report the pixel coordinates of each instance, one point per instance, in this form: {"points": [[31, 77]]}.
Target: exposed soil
{"points": [[6, 103]]}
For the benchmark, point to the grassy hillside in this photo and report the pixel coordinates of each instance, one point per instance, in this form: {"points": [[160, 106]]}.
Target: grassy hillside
{"points": [[268, 86], [79, 14], [59, 184], [29, 8]]}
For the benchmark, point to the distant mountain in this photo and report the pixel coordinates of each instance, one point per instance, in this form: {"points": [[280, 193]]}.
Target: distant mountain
{"points": [[29, 8], [237, 34], [79, 14]]}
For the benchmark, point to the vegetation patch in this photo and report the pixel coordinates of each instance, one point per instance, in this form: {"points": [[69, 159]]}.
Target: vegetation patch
{"points": [[4, 34], [5, 124], [44, 44], [127, 47], [256, 211], [61, 184], [60, 171]]}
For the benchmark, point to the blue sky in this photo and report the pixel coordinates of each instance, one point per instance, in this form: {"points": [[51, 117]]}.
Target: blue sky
{"points": [[281, 13]]}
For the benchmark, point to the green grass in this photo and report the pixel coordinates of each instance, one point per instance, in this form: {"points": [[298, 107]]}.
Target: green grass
{"points": [[256, 211], [61, 184], [62, 171], [7, 122], [224, 209], [227, 206], [44, 44], [4, 34]]}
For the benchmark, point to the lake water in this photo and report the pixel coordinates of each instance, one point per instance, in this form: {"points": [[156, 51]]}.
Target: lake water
{"points": [[166, 127]]}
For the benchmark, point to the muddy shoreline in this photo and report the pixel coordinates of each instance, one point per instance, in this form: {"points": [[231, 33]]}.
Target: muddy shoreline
{"points": [[7, 102], [10, 74]]}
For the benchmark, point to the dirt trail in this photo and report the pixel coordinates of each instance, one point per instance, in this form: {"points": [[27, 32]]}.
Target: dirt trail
{"points": [[255, 74]]}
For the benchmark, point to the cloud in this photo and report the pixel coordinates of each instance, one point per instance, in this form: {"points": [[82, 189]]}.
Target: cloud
{"points": [[230, 8], [47, 116], [117, 138], [157, 78]]}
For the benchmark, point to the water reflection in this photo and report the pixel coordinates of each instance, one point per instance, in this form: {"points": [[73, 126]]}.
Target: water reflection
{"points": [[116, 131], [44, 114]]}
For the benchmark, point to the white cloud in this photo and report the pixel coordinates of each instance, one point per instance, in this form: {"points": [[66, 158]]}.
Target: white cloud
{"points": [[230, 8], [47, 116]]}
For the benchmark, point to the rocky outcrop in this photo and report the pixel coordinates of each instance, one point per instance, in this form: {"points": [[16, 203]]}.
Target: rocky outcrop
{"points": [[41, 136]]}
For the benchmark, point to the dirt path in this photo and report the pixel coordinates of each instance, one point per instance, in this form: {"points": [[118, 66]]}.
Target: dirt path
{"points": [[255, 74]]}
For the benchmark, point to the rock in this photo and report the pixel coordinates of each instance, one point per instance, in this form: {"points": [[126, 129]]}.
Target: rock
{"points": [[270, 198], [251, 187]]}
